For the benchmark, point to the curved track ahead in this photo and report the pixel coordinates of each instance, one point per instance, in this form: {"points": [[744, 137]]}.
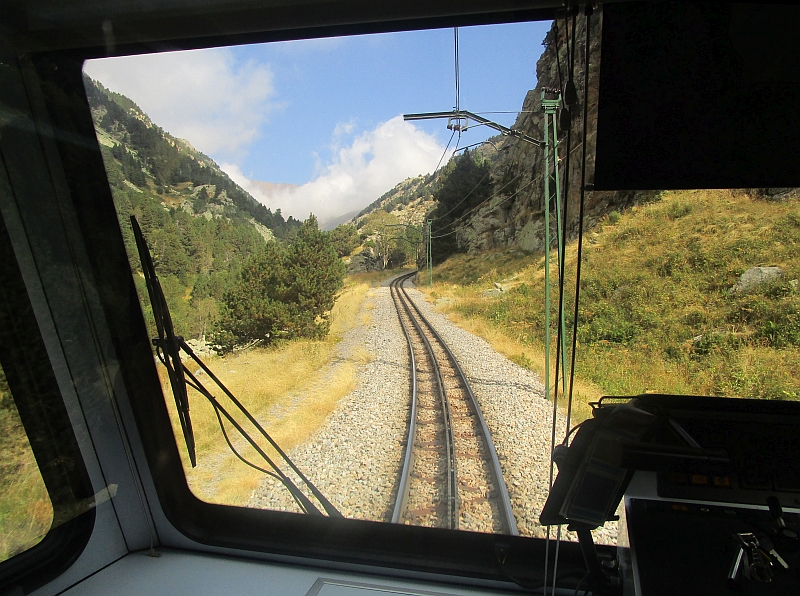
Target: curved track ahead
{"points": [[451, 476]]}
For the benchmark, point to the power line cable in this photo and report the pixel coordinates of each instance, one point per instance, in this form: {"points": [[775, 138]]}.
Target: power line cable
{"points": [[560, 348], [494, 196], [444, 152], [508, 112], [581, 212], [455, 48], [464, 199], [558, 58]]}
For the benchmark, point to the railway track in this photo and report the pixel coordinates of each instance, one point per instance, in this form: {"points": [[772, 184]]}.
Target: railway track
{"points": [[451, 476]]}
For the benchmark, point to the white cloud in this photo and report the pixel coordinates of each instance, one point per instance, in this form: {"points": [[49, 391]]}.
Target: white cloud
{"points": [[359, 173], [203, 96]]}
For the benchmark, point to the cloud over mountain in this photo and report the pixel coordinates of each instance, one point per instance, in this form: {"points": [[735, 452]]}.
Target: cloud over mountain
{"points": [[359, 173], [204, 96]]}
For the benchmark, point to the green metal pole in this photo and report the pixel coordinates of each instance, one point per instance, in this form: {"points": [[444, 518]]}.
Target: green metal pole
{"points": [[430, 255]]}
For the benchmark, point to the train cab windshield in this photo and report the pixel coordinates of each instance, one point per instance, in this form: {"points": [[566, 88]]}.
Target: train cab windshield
{"points": [[448, 301]]}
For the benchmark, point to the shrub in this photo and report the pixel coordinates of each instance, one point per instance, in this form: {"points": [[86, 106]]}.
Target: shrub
{"points": [[282, 292]]}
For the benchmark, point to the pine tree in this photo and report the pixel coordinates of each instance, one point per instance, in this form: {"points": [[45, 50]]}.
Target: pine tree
{"points": [[282, 291]]}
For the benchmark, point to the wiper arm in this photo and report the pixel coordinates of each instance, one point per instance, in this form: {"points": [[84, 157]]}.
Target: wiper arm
{"points": [[170, 350], [168, 347]]}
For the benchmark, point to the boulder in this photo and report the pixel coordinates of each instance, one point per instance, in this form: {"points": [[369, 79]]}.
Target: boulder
{"points": [[756, 276], [491, 293]]}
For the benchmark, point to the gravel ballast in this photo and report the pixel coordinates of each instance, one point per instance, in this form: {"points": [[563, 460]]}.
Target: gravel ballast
{"points": [[355, 457]]}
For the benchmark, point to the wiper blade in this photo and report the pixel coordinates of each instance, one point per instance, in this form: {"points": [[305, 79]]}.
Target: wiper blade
{"points": [[168, 348], [166, 340]]}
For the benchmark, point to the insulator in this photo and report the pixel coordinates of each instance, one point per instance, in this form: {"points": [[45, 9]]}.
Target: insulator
{"points": [[570, 93], [564, 119]]}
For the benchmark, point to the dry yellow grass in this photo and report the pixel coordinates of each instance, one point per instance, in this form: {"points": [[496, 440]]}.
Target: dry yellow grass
{"points": [[288, 388], [657, 312], [26, 513]]}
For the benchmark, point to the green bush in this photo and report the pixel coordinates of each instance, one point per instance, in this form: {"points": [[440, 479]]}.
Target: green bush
{"points": [[282, 292], [345, 239], [677, 209]]}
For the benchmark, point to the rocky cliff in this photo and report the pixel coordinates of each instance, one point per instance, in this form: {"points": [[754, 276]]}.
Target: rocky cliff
{"points": [[515, 216]]}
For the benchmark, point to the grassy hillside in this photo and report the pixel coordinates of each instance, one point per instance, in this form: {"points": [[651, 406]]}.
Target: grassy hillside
{"points": [[25, 509], [657, 310]]}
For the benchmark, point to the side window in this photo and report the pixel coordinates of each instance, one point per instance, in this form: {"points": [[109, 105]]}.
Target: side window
{"points": [[26, 512], [46, 504]]}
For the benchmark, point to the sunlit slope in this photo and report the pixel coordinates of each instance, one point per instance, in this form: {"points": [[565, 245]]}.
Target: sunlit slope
{"points": [[657, 310]]}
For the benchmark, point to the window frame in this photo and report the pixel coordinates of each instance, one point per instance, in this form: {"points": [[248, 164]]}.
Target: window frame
{"points": [[470, 555], [34, 388]]}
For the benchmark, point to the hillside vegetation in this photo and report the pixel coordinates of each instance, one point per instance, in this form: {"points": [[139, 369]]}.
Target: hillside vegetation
{"points": [[657, 309], [230, 268], [390, 229], [26, 512]]}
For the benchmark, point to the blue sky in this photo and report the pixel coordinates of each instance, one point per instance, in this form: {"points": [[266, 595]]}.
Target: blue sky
{"points": [[324, 114]]}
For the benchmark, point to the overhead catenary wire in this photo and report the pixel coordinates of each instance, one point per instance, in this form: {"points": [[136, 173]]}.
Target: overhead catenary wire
{"points": [[560, 346], [494, 196], [444, 152], [580, 213], [562, 230], [468, 195], [458, 85], [561, 331], [577, 281], [487, 142]]}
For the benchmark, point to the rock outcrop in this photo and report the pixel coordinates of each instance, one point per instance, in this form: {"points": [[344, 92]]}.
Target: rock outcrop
{"points": [[755, 276], [515, 216]]}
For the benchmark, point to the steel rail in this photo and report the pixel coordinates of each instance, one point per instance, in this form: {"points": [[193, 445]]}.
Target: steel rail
{"points": [[504, 502], [408, 460], [449, 440]]}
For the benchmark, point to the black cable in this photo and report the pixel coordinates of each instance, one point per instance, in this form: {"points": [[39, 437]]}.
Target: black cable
{"points": [[246, 461], [571, 49], [494, 196], [555, 43], [290, 486], [539, 586], [565, 211], [507, 112], [581, 212], [578, 587], [565, 206], [327, 505], [458, 86], [464, 199], [230, 444], [569, 433], [236, 452], [445, 151], [479, 143]]}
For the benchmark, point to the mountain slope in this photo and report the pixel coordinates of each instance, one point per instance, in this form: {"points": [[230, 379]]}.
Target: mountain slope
{"points": [[150, 158], [200, 226], [414, 198]]}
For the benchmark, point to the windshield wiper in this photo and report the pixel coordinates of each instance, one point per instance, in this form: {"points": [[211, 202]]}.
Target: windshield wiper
{"points": [[168, 349]]}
